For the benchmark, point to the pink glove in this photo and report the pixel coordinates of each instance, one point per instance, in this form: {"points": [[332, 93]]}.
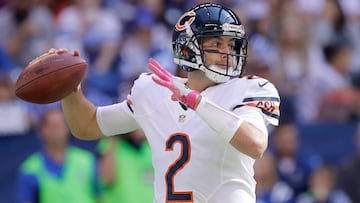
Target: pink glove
{"points": [[180, 91]]}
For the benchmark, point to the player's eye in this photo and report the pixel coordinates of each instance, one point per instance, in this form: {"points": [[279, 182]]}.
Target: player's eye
{"points": [[215, 44], [219, 44], [231, 46]]}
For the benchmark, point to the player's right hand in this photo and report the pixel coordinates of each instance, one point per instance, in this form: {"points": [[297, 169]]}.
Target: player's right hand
{"points": [[57, 51], [61, 51]]}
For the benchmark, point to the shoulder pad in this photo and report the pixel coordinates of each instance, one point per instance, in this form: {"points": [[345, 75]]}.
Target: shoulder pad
{"points": [[144, 94], [262, 94]]}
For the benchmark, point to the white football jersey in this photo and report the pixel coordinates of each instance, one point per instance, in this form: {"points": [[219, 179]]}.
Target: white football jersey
{"points": [[192, 162]]}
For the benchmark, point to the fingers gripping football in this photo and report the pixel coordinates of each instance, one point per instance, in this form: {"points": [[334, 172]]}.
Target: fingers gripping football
{"points": [[62, 51], [180, 91]]}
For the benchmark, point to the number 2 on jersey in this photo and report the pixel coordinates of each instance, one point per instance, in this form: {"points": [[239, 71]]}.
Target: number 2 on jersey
{"points": [[176, 166]]}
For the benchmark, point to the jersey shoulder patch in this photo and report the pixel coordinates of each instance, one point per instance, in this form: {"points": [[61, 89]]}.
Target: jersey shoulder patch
{"points": [[262, 94]]}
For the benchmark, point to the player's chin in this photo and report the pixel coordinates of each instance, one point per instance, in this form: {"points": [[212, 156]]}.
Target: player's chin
{"points": [[222, 66]]}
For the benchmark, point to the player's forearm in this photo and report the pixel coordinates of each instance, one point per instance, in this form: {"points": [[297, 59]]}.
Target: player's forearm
{"points": [[243, 136], [80, 115]]}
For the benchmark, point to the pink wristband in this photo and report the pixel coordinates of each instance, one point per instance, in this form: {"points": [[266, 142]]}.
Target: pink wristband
{"points": [[190, 99]]}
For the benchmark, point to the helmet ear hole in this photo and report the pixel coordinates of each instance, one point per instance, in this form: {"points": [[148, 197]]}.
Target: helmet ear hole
{"points": [[185, 53], [188, 53]]}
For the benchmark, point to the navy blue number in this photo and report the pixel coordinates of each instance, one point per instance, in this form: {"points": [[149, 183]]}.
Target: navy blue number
{"points": [[176, 166]]}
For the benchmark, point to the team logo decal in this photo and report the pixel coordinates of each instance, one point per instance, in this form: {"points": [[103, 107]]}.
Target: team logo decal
{"points": [[188, 17]]}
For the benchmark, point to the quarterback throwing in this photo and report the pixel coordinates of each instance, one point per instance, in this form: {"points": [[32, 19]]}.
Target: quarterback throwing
{"points": [[206, 130]]}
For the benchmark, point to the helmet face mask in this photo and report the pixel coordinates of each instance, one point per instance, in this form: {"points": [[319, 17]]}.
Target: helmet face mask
{"points": [[208, 21]]}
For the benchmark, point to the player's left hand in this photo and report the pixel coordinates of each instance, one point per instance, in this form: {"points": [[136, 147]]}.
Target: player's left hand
{"points": [[180, 91]]}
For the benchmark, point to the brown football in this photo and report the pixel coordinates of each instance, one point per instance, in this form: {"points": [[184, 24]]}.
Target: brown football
{"points": [[50, 77]]}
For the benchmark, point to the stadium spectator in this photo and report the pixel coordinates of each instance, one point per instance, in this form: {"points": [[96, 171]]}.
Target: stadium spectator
{"points": [[269, 189], [14, 117], [259, 18], [6, 63], [149, 38], [349, 176], [335, 24], [126, 169], [95, 31], [292, 168], [331, 96], [59, 172], [27, 30], [296, 57], [323, 187]]}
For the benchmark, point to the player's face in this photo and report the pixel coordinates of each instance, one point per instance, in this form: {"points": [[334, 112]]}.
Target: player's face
{"points": [[54, 130], [213, 46]]}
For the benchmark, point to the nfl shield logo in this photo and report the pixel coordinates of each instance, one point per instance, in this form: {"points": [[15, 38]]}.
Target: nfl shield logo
{"points": [[181, 118]]}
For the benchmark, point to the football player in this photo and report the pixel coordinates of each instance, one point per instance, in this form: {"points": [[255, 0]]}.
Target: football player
{"points": [[206, 130]]}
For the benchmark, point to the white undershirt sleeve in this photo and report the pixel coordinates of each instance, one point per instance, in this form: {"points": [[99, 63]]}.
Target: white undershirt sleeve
{"points": [[116, 119]]}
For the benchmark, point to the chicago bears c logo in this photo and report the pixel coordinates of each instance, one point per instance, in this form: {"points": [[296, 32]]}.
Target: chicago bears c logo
{"points": [[188, 17]]}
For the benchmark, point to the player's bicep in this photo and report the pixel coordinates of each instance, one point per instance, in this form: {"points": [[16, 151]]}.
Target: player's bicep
{"points": [[116, 119], [253, 116]]}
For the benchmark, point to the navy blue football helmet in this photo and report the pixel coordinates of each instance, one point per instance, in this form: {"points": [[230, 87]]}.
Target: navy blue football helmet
{"points": [[209, 20]]}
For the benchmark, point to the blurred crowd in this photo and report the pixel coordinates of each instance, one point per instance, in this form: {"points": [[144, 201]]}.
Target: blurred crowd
{"points": [[309, 49]]}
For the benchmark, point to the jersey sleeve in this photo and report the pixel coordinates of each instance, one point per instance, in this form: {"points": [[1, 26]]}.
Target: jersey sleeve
{"points": [[262, 95], [116, 119], [120, 118]]}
